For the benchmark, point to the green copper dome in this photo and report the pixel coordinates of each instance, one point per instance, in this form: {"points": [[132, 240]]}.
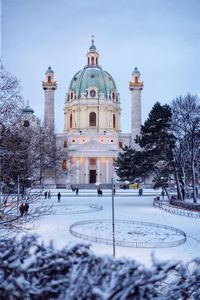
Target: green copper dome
{"points": [[136, 71], [28, 109], [49, 70], [93, 77]]}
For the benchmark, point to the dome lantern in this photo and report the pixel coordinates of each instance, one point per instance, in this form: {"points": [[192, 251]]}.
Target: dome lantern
{"points": [[92, 55], [28, 110]]}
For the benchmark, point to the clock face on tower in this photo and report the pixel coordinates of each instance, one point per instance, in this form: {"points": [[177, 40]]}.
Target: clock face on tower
{"points": [[92, 93]]}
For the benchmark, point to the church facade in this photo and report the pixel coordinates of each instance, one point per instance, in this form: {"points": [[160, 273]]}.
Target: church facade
{"points": [[92, 135]]}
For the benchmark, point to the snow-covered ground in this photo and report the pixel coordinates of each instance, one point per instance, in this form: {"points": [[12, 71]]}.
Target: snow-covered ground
{"points": [[131, 207]]}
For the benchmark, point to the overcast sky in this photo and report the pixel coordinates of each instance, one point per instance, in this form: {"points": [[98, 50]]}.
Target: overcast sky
{"points": [[160, 37]]}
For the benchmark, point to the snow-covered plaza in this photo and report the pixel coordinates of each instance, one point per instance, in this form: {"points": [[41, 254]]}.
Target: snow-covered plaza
{"points": [[130, 207]]}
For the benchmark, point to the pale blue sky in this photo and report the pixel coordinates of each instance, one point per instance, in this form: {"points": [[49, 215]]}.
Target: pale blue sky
{"points": [[160, 37]]}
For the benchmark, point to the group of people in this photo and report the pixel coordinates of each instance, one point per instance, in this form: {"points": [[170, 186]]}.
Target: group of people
{"points": [[24, 209], [47, 195]]}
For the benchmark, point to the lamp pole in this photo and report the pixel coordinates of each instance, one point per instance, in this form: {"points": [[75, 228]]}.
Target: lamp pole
{"points": [[113, 217], [17, 195]]}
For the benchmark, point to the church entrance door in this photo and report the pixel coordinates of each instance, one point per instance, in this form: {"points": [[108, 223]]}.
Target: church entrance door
{"points": [[92, 176]]}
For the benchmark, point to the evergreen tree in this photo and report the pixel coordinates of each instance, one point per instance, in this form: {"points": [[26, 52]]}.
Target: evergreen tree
{"points": [[155, 156], [128, 165]]}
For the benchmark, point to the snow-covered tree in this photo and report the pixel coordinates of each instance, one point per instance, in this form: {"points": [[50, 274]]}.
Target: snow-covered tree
{"points": [[26, 154], [31, 270], [186, 127], [11, 101]]}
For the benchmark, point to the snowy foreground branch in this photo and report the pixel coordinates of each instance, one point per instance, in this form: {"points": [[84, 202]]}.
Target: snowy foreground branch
{"points": [[31, 270]]}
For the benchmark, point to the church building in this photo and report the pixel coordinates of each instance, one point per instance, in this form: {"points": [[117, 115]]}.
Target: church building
{"points": [[92, 135]]}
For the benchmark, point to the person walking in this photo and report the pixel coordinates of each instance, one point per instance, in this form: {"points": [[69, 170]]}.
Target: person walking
{"points": [[49, 195], [45, 195], [163, 194], [59, 196], [26, 208], [22, 209], [77, 190], [140, 192]]}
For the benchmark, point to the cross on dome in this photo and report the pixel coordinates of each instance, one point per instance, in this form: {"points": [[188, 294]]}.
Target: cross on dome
{"points": [[92, 47], [92, 55]]}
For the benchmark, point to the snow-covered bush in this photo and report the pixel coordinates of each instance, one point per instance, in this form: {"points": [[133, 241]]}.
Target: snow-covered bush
{"points": [[31, 270]]}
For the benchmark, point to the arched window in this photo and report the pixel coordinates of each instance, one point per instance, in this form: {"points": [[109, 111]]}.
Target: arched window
{"points": [[92, 93], [49, 78], [114, 123], [70, 121], [64, 165], [92, 60], [92, 119], [113, 96], [136, 79], [71, 95], [65, 144], [26, 123]]}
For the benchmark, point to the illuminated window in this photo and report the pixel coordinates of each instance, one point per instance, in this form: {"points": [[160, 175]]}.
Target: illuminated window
{"points": [[65, 144], [70, 121], [64, 165], [114, 123], [92, 119], [93, 161]]}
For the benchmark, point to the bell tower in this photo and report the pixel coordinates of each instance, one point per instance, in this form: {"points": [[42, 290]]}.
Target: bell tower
{"points": [[49, 86], [136, 87]]}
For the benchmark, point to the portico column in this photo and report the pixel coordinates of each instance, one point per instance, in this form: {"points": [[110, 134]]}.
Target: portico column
{"points": [[77, 169], [86, 170], [107, 169], [98, 169]]}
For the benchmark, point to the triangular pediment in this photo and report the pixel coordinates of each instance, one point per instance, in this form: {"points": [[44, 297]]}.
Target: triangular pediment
{"points": [[92, 145]]}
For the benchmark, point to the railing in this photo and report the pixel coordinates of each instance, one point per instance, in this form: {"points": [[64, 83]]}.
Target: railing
{"points": [[176, 210], [109, 241]]}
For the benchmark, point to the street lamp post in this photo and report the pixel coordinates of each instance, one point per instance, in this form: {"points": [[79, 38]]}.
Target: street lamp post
{"points": [[17, 195], [113, 217]]}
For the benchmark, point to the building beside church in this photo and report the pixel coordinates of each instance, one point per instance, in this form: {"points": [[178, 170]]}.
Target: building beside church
{"points": [[92, 135]]}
